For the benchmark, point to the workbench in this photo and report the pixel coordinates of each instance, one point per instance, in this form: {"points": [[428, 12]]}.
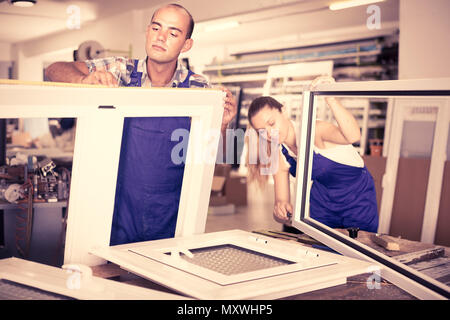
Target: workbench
{"points": [[430, 259]]}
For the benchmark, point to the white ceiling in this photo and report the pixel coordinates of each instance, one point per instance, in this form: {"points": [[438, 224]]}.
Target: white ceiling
{"points": [[51, 16], [294, 25], [259, 18]]}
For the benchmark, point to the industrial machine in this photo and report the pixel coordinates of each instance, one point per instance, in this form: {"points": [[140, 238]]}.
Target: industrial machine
{"points": [[39, 178], [25, 185]]}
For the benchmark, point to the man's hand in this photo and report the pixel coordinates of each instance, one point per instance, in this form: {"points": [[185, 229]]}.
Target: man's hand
{"points": [[100, 77], [230, 108]]}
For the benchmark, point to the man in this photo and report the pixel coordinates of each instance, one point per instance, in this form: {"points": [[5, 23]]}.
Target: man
{"points": [[149, 183]]}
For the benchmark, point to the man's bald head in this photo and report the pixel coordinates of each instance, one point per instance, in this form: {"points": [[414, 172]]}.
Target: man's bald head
{"points": [[190, 27]]}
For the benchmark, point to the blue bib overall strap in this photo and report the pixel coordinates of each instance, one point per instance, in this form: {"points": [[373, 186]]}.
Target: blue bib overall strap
{"points": [[186, 82], [290, 159], [149, 183], [135, 76]]}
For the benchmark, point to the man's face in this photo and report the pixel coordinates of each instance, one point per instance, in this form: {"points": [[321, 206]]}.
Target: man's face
{"points": [[166, 35]]}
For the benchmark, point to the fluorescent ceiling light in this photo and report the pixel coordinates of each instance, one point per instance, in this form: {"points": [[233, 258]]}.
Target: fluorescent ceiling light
{"points": [[222, 26], [23, 3], [351, 3]]}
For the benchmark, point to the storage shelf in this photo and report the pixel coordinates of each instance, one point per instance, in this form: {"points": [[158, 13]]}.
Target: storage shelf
{"points": [[353, 60], [233, 66], [239, 78]]}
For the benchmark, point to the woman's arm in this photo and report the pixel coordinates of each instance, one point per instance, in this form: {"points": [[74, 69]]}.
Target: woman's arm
{"points": [[347, 130], [283, 208], [346, 121]]}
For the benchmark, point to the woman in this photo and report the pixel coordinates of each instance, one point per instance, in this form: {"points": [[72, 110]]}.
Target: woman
{"points": [[343, 192]]}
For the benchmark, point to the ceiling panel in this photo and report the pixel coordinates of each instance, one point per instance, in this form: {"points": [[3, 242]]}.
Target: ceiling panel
{"points": [[51, 16]]}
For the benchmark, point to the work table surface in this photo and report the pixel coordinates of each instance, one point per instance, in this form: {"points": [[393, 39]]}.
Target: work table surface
{"points": [[430, 259]]}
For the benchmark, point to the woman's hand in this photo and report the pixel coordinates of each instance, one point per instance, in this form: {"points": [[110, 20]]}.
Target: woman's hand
{"points": [[282, 211], [347, 131], [320, 80]]}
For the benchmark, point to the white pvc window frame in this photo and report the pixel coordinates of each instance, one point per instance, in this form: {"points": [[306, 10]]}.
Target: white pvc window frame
{"points": [[314, 269], [100, 113], [410, 280], [424, 109], [296, 260]]}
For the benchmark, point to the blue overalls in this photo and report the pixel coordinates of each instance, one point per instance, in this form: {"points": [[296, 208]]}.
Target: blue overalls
{"points": [[342, 196], [148, 183]]}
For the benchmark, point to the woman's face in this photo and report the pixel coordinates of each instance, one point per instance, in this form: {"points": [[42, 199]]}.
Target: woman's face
{"points": [[270, 123]]}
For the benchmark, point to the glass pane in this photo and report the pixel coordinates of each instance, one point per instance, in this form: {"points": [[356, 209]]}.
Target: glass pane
{"points": [[443, 225], [150, 176], [347, 190], [35, 179], [417, 139]]}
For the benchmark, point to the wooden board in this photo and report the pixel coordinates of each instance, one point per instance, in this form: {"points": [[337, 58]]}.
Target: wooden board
{"points": [[406, 246], [387, 242], [422, 255], [303, 238]]}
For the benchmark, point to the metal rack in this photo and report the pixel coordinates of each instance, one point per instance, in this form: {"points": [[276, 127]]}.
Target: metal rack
{"points": [[359, 59]]}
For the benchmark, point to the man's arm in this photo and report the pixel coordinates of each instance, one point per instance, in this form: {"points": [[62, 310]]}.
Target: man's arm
{"points": [[72, 72], [78, 72]]}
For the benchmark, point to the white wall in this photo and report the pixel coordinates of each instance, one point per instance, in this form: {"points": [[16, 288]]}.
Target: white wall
{"points": [[424, 42], [5, 51], [32, 56], [27, 68]]}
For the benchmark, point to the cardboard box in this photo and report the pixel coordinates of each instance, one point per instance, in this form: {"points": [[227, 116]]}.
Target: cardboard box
{"points": [[222, 170], [218, 184], [227, 187], [217, 197], [236, 190]]}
